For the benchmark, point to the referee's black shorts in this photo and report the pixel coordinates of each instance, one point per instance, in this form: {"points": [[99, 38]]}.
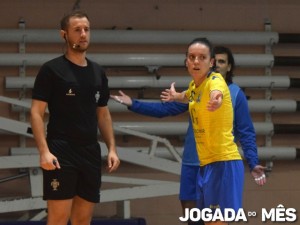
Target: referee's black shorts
{"points": [[80, 172]]}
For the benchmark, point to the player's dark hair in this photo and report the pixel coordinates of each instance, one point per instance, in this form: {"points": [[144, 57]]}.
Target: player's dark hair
{"points": [[224, 50], [203, 41]]}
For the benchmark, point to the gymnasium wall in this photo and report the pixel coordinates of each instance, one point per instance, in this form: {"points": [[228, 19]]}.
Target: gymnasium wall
{"points": [[283, 186]]}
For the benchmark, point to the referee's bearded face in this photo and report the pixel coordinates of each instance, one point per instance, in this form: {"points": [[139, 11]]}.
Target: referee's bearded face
{"points": [[78, 33]]}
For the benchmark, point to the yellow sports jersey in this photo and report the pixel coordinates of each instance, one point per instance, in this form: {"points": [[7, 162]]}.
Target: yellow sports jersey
{"points": [[212, 130]]}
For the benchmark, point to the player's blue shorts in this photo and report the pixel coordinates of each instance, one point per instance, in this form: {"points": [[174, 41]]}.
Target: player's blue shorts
{"points": [[220, 185], [188, 182]]}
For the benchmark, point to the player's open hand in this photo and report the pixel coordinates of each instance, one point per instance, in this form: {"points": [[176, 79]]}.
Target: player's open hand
{"points": [[168, 95], [122, 98]]}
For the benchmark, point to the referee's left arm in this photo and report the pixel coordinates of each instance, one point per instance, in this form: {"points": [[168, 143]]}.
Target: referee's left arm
{"points": [[107, 133]]}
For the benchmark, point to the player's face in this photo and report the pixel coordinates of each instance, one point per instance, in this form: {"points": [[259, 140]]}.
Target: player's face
{"points": [[78, 33], [198, 62], [222, 65]]}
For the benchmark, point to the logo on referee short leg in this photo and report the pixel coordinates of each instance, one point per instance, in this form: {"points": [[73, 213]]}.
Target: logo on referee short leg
{"points": [[54, 184]]}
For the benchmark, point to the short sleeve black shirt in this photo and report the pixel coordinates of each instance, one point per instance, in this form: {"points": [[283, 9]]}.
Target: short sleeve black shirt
{"points": [[73, 94]]}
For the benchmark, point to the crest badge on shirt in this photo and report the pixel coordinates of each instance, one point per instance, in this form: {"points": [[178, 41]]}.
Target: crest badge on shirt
{"points": [[198, 98], [97, 96], [191, 98]]}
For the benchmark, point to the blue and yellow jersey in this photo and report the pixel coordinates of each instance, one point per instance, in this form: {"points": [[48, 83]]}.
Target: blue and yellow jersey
{"points": [[212, 130]]}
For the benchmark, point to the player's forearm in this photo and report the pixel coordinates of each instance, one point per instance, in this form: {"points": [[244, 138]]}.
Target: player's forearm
{"points": [[158, 109], [179, 96]]}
